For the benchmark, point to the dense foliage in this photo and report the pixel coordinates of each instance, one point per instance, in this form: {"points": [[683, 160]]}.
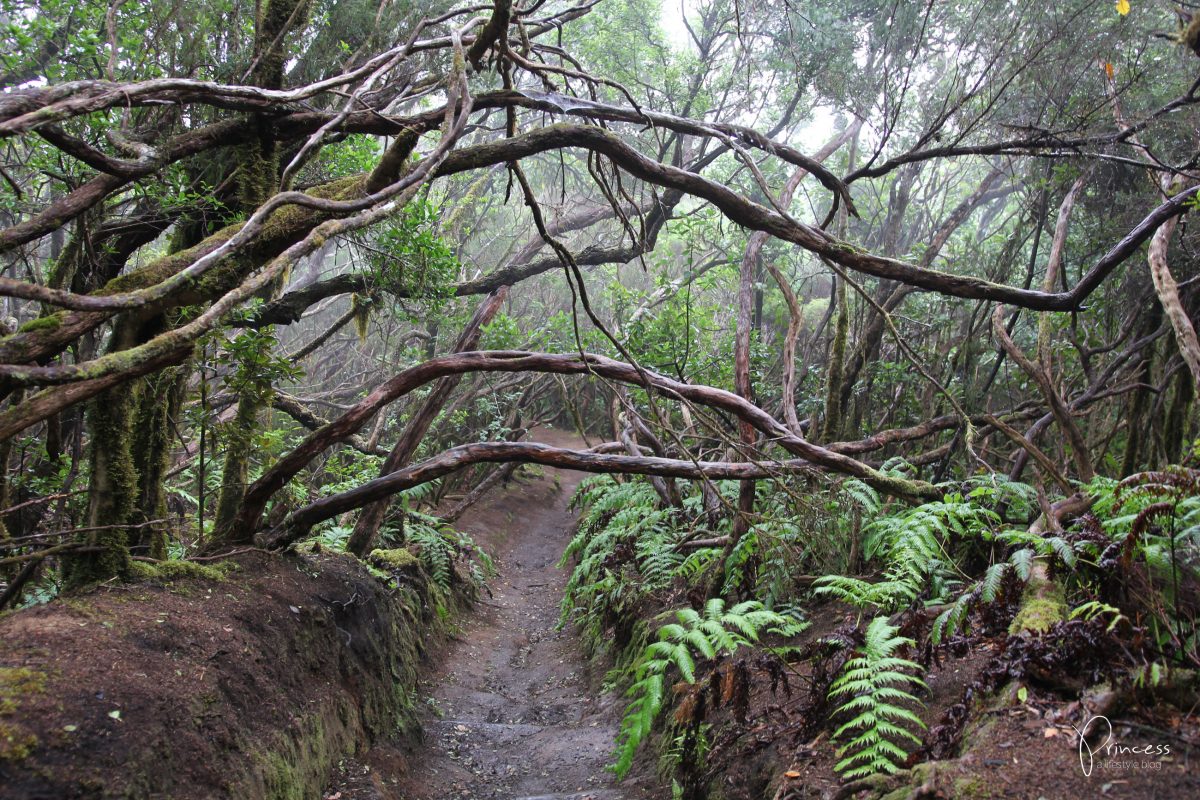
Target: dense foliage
{"points": [[881, 307]]}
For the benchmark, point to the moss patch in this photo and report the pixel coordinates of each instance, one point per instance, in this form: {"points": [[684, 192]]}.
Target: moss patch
{"points": [[16, 684], [16, 743], [971, 787], [296, 768], [979, 731], [164, 571], [48, 323], [1042, 605], [398, 559]]}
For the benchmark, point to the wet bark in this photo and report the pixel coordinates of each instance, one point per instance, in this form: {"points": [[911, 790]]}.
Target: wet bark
{"points": [[366, 528]]}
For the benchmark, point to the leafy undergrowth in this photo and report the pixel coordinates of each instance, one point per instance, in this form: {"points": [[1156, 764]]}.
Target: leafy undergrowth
{"points": [[712, 635], [451, 560], [948, 649]]}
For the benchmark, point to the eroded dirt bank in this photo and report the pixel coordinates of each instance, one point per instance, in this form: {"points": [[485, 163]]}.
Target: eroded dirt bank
{"points": [[251, 686], [510, 710]]}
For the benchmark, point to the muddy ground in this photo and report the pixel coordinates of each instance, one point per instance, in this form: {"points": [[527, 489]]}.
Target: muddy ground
{"points": [[510, 708]]}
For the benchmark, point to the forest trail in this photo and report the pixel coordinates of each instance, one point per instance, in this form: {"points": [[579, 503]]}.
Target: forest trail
{"points": [[509, 707]]}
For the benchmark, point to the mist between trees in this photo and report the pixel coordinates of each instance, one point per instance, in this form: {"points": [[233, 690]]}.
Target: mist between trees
{"points": [[319, 270]]}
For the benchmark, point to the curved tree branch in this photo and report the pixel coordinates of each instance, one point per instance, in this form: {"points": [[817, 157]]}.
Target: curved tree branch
{"points": [[290, 465], [297, 524]]}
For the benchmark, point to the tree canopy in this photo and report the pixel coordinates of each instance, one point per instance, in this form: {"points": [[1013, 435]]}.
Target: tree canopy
{"points": [[764, 240]]}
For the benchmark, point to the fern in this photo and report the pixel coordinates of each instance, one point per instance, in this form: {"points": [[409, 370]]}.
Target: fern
{"points": [[1094, 608], [334, 537], [439, 545], [995, 489], [986, 590], [735, 564], [1040, 545], [953, 619], [1022, 561], [717, 631], [625, 548], [884, 594], [697, 563], [874, 687], [434, 549], [911, 546], [862, 494]]}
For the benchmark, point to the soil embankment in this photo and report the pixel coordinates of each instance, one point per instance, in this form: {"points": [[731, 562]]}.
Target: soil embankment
{"points": [[249, 686]]}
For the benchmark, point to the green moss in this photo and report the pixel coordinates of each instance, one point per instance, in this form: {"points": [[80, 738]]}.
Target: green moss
{"points": [[1037, 616], [837, 360], [239, 438], [928, 777], [1042, 605], [17, 683], [113, 491], [882, 786], [981, 731], [163, 571], [282, 228], [297, 769], [971, 786], [399, 559], [16, 743], [48, 323], [159, 399]]}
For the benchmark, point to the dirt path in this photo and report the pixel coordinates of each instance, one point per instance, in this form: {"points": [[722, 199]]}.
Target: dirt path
{"points": [[510, 709]]}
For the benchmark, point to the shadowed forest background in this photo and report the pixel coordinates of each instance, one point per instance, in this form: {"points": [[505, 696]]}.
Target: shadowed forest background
{"points": [[875, 323]]}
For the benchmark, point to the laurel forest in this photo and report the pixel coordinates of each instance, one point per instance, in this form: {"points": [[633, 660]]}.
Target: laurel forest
{"points": [[706, 399]]}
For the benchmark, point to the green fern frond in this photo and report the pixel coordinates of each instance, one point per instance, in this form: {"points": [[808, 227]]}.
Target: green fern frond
{"points": [[993, 580], [864, 495], [877, 684], [718, 631], [1022, 562]]}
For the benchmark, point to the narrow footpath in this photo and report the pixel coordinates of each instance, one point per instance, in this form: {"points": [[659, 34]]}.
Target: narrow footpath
{"points": [[510, 708]]}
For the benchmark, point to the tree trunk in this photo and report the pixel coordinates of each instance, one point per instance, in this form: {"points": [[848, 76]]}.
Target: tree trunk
{"points": [[1168, 295], [832, 421], [112, 493], [160, 399], [238, 438]]}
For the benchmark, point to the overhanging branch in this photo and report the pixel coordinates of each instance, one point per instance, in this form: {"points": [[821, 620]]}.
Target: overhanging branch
{"points": [[297, 524], [819, 457]]}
